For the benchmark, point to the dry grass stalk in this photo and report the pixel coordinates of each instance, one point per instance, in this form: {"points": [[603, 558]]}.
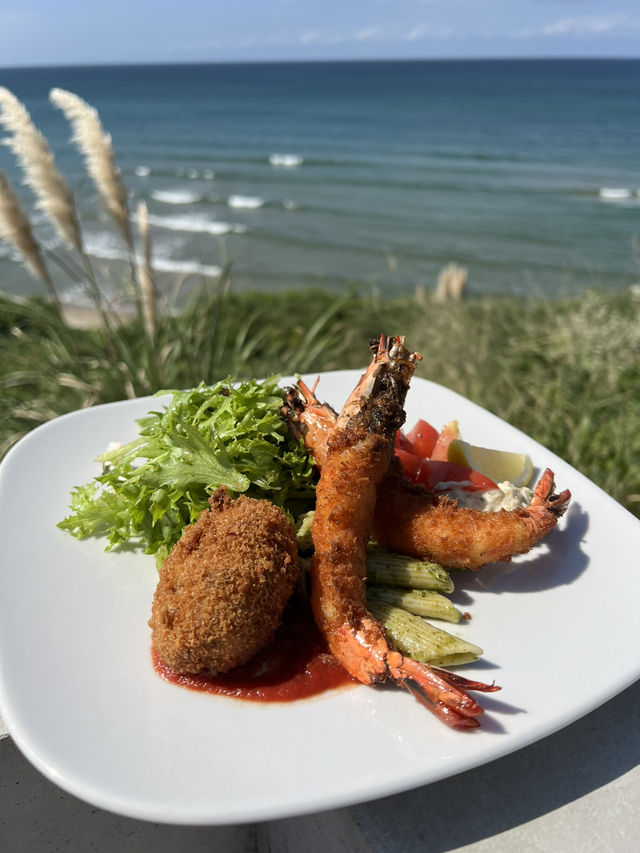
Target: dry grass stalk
{"points": [[452, 282], [95, 146], [144, 274], [420, 295], [38, 165], [16, 229]]}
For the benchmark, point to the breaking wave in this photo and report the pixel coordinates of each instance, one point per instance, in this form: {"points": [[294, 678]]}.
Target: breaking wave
{"points": [[196, 224], [186, 266], [617, 193], [286, 161], [247, 202], [106, 247], [176, 196]]}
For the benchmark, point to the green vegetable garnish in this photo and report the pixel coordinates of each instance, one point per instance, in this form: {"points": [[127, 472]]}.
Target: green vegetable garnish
{"points": [[226, 434]]}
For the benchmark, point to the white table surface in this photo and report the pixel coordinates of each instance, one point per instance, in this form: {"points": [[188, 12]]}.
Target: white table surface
{"points": [[577, 790]]}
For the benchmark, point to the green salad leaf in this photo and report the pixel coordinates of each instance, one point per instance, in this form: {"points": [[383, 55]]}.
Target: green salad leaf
{"points": [[226, 434]]}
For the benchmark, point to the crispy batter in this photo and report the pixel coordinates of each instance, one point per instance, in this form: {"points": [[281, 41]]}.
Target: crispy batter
{"points": [[411, 520], [224, 586], [358, 454]]}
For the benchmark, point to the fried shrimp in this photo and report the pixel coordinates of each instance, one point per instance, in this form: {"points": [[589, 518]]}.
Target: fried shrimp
{"points": [[412, 520], [223, 588], [358, 452]]}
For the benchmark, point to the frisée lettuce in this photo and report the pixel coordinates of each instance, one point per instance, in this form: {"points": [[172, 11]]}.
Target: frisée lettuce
{"points": [[226, 434]]}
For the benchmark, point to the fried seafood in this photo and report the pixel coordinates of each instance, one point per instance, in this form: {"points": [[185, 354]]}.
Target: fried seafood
{"points": [[358, 452], [412, 520], [309, 419], [224, 586]]}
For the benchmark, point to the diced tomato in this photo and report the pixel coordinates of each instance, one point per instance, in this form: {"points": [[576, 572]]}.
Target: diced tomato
{"points": [[409, 461], [403, 442], [431, 472], [423, 438], [447, 434]]}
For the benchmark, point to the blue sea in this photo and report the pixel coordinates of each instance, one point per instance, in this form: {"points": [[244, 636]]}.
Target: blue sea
{"points": [[376, 173]]}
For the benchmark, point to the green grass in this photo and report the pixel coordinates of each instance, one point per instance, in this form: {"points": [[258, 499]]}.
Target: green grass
{"points": [[566, 372]]}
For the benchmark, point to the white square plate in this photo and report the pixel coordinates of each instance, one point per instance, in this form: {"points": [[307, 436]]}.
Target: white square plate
{"points": [[83, 702]]}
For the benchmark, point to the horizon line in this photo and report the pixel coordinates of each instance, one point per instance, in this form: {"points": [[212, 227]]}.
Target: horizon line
{"points": [[318, 61]]}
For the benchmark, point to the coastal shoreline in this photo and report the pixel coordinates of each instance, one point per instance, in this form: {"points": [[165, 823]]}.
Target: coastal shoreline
{"points": [[84, 317], [288, 175]]}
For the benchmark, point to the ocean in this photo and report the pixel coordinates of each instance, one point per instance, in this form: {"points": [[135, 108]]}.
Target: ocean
{"points": [[369, 173]]}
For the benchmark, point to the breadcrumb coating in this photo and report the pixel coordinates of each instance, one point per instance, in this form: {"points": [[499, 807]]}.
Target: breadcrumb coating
{"points": [[223, 588]]}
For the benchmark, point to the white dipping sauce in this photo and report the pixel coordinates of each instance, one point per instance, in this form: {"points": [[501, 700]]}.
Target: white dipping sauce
{"points": [[506, 496]]}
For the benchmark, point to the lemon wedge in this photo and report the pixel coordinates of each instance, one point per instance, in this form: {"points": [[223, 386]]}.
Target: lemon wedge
{"points": [[499, 465]]}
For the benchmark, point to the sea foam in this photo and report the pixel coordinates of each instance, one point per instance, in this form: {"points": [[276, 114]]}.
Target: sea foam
{"points": [[286, 161], [248, 202], [104, 246], [196, 224], [142, 171], [186, 266], [615, 193], [176, 196]]}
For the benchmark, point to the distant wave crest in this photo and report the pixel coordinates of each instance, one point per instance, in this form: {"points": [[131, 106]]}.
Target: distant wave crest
{"points": [[102, 246], [176, 196], [248, 202], [196, 224], [185, 266], [194, 174], [286, 161], [617, 193]]}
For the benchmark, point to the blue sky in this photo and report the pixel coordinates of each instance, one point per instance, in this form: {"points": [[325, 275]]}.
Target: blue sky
{"points": [[43, 32]]}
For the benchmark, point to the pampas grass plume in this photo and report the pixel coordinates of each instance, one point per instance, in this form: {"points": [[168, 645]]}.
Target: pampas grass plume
{"points": [[144, 274], [16, 229], [38, 165], [452, 282], [96, 148]]}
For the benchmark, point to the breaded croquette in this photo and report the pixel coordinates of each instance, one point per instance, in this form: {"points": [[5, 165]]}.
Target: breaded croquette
{"points": [[223, 588]]}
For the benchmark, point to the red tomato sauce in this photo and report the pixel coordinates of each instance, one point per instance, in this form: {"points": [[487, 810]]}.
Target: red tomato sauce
{"points": [[296, 665]]}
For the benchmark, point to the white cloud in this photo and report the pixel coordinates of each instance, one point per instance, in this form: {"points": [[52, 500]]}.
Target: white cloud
{"points": [[416, 32], [310, 36], [425, 31], [325, 37], [368, 34], [590, 25], [398, 34]]}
